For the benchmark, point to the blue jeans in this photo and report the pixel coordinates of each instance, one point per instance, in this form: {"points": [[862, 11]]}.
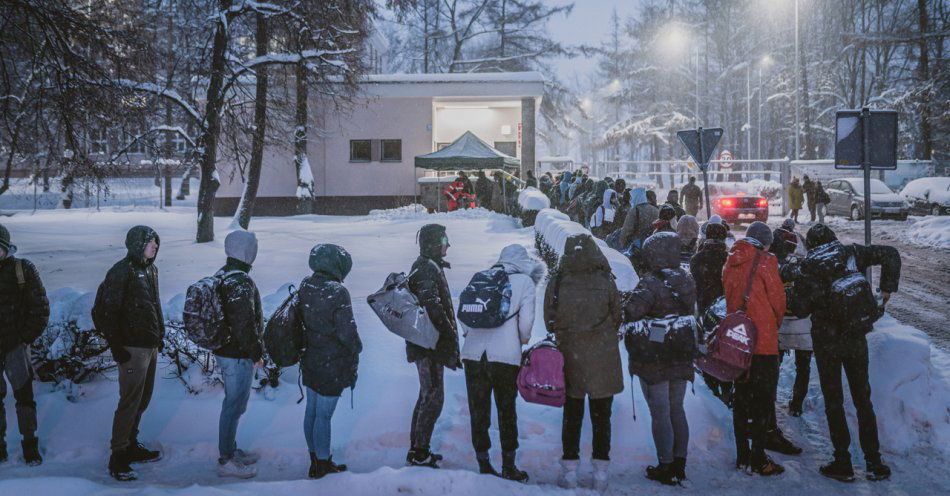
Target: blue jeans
{"points": [[237, 374], [316, 423]]}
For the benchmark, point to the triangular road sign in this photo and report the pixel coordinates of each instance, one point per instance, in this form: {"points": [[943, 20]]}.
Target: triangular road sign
{"points": [[690, 139]]}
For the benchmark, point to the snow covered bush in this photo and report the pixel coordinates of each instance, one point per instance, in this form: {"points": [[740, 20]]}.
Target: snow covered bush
{"points": [[531, 201], [65, 353]]}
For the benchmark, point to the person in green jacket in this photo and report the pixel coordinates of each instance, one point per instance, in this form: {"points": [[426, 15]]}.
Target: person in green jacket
{"points": [[796, 198]]}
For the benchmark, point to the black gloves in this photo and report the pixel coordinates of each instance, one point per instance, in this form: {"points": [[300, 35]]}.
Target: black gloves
{"points": [[119, 354]]}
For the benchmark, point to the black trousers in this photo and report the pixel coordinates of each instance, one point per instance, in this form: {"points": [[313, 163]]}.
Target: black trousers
{"points": [[802, 375], [850, 354], [600, 410], [754, 406], [482, 380], [429, 404]]}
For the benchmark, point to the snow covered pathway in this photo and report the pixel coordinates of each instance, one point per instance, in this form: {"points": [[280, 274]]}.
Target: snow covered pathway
{"points": [[74, 249]]}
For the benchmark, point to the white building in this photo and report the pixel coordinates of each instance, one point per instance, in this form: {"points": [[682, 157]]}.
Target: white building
{"points": [[364, 158]]}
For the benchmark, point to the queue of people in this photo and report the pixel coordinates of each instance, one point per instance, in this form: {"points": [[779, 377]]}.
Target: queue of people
{"points": [[684, 269]]}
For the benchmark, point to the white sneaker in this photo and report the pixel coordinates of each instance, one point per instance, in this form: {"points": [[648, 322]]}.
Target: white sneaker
{"points": [[600, 475], [246, 457], [568, 477], [236, 469]]}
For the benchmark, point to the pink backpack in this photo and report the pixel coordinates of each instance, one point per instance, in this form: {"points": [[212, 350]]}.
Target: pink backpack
{"points": [[730, 348], [541, 379]]}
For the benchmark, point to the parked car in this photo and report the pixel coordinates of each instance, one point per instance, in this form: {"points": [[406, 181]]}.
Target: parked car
{"points": [[847, 198], [735, 205], [928, 195]]}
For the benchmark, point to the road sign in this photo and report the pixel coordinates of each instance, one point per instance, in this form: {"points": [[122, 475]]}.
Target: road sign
{"points": [[725, 156], [880, 143], [700, 151]]}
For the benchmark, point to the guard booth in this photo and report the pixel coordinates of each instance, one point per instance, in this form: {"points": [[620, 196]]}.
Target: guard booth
{"points": [[468, 153]]}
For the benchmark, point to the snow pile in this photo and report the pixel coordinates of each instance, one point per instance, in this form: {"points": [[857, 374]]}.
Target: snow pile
{"points": [[419, 212], [555, 227], [532, 199], [930, 231]]}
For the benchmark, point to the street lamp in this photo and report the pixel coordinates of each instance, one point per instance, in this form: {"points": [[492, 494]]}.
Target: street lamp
{"points": [[765, 62]]}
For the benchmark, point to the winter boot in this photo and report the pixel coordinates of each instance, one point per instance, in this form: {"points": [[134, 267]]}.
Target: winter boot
{"points": [[763, 465], [119, 467], [137, 453], [839, 469], [232, 467], [777, 442], [664, 473], [679, 468], [31, 451], [325, 467], [421, 457], [568, 477], [484, 464], [3, 453], [877, 470], [600, 475], [509, 470]]}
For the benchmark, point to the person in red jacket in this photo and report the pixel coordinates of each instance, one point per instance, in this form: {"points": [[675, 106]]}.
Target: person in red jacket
{"points": [[766, 308]]}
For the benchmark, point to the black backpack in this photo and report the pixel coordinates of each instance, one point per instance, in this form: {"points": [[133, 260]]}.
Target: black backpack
{"points": [[485, 302], [283, 334], [850, 301], [663, 340]]}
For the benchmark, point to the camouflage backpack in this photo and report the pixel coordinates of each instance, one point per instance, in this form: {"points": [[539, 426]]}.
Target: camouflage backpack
{"points": [[204, 319]]}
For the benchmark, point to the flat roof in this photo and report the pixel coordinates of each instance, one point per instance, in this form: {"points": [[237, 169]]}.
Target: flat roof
{"points": [[448, 85]]}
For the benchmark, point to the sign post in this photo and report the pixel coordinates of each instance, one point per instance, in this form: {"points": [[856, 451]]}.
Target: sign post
{"points": [[700, 144]]}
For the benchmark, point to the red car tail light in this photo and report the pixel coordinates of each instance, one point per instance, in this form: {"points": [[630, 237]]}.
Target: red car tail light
{"points": [[727, 202], [763, 202]]}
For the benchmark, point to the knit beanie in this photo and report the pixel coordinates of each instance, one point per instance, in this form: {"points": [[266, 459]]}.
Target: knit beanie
{"points": [[760, 232], [241, 245]]}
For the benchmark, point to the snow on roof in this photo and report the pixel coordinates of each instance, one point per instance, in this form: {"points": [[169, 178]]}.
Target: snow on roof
{"points": [[556, 158], [455, 85], [456, 77]]}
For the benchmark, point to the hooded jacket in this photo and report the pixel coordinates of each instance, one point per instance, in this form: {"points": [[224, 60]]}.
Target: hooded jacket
{"points": [[483, 189], [652, 298], [242, 311], [638, 224], [565, 186], [796, 196], [766, 306], [128, 310], [582, 309], [24, 312], [706, 268], [607, 203], [427, 281], [332, 344], [503, 344]]}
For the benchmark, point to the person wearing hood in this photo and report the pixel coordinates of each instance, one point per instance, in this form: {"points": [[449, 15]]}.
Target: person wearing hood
{"points": [[795, 332], [665, 290], [706, 265], [588, 340], [808, 186], [638, 224], [24, 314], [530, 180], [673, 200], [567, 178], [765, 306], [483, 190], [241, 304], [492, 359], [128, 313], [687, 228], [593, 200], [545, 182], [331, 353], [499, 193], [602, 220], [837, 348], [822, 199], [651, 198], [692, 196], [796, 198], [666, 220], [427, 282]]}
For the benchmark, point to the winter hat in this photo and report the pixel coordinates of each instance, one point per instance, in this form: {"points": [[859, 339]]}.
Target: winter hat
{"points": [[716, 231], [5, 241], [241, 245], [431, 238], [818, 235], [667, 213], [687, 228], [331, 261], [789, 225], [760, 232]]}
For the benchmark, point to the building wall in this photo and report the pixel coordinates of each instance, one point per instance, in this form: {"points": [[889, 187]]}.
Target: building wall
{"points": [[486, 123]]}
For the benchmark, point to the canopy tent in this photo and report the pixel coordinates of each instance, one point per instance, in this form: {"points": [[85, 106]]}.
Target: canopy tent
{"points": [[468, 152]]}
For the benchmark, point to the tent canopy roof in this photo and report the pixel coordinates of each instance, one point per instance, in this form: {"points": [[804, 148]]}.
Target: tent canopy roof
{"points": [[467, 152]]}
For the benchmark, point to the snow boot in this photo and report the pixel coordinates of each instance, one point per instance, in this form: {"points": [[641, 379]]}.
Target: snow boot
{"points": [[484, 464], [764, 466], [421, 457], [3, 453], [664, 473], [600, 475], [119, 467], [137, 453], [839, 469], [679, 468], [232, 467], [568, 477], [509, 470], [31, 451], [877, 470], [776, 441], [322, 468]]}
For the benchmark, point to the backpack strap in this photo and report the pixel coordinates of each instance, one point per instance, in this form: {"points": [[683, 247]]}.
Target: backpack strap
{"points": [[748, 284], [20, 278]]}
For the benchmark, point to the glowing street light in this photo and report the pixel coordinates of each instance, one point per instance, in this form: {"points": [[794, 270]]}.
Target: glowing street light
{"points": [[672, 40]]}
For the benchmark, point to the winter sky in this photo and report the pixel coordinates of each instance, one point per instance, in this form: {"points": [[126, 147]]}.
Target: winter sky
{"points": [[588, 24]]}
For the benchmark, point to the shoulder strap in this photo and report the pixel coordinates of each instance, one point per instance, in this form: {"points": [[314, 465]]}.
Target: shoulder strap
{"points": [[18, 268], [748, 284], [676, 295]]}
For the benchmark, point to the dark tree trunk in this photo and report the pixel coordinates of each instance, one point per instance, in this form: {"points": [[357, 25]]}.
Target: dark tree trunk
{"points": [[925, 148], [246, 207]]}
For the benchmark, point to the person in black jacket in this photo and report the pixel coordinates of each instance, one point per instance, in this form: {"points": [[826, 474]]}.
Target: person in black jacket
{"points": [[332, 349], [128, 312], [706, 266], [483, 190], [427, 281], [242, 354], [24, 313], [837, 348], [673, 200]]}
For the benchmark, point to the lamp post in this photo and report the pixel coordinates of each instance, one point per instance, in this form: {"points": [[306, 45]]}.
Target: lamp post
{"points": [[766, 60], [798, 85]]}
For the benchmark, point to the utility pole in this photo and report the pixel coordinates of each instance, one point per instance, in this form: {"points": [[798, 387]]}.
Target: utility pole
{"points": [[798, 85]]}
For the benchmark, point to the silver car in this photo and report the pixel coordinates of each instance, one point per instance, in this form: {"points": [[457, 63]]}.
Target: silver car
{"points": [[847, 198]]}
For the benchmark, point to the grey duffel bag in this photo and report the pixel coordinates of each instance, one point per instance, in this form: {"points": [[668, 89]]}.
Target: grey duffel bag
{"points": [[401, 312]]}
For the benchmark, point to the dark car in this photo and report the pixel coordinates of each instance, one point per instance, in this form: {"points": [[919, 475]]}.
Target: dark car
{"points": [[735, 205]]}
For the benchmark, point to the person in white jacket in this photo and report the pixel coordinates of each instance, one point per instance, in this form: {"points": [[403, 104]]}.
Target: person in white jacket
{"points": [[492, 360]]}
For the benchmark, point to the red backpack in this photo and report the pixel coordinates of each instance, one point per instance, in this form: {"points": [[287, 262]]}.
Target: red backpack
{"points": [[730, 348], [541, 378]]}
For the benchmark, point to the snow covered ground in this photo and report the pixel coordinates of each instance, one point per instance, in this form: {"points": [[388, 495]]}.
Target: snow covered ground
{"points": [[929, 231], [122, 192], [74, 249]]}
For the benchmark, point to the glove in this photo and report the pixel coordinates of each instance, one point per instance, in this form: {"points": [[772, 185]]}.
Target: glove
{"points": [[119, 354]]}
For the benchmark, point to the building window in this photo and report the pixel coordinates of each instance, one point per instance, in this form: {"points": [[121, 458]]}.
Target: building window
{"points": [[98, 141], [391, 150], [509, 148], [361, 150]]}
